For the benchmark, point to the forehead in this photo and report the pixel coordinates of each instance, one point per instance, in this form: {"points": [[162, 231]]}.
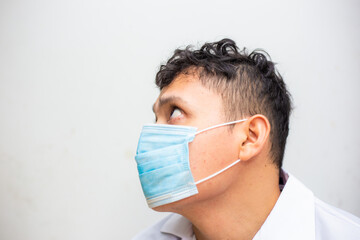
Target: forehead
{"points": [[183, 83], [189, 89]]}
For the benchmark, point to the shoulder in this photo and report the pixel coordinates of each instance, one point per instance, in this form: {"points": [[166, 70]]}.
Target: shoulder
{"points": [[154, 231], [333, 223]]}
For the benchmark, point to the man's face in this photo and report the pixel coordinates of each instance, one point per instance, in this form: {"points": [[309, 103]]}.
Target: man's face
{"points": [[187, 102]]}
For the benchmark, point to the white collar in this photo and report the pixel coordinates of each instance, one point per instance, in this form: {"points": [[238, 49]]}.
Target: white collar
{"points": [[179, 226], [293, 216]]}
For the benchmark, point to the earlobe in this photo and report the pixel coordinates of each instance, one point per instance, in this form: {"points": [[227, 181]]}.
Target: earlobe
{"points": [[256, 131]]}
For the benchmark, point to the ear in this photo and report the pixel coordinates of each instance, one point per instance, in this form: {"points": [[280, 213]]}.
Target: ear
{"points": [[254, 137]]}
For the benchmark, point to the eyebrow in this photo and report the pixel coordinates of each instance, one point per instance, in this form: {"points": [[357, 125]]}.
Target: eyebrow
{"points": [[165, 100]]}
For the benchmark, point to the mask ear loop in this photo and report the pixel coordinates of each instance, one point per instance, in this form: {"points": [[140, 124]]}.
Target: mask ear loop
{"points": [[213, 175], [219, 125], [229, 166]]}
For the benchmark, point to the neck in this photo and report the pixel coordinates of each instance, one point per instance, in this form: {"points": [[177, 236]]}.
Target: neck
{"points": [[241, 210]]}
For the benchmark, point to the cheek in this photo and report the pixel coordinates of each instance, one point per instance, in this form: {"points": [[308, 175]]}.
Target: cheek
{"points": [[209, 153]]}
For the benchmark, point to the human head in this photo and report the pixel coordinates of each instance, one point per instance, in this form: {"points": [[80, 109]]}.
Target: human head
{"points": [[248, 84]]}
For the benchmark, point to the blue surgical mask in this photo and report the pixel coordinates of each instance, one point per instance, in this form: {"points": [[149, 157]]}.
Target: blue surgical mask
{"points": [[162, 158]]}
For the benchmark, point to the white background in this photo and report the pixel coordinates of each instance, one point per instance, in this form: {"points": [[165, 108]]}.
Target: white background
{"points": [[77, 84]]}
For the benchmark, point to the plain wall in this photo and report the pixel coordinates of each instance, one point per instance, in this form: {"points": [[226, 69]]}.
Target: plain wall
{"points": [[77, 84]]}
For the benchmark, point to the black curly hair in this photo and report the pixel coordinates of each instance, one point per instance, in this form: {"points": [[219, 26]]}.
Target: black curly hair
{"points": [[249, 84]]}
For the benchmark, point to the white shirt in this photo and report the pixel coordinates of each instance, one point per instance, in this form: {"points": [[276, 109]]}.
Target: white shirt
{"points": [[297, 214]]}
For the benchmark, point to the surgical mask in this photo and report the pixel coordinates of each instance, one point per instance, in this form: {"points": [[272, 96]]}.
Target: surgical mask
{"points": [[162, 158]]}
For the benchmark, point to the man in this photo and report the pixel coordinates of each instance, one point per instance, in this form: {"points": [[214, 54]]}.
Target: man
{"points": [[215, 154]]}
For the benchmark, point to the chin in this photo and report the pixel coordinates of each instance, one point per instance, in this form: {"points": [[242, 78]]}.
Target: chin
{"points": [[176, 206], [162, 208], [194, 201]]}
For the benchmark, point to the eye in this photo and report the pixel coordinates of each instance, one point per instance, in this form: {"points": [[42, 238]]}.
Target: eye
{"points": [[175, 113]]}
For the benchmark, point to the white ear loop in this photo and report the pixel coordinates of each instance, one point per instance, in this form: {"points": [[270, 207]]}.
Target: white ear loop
{"points": [[213, 175], [220, 125], [227, 167]]}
